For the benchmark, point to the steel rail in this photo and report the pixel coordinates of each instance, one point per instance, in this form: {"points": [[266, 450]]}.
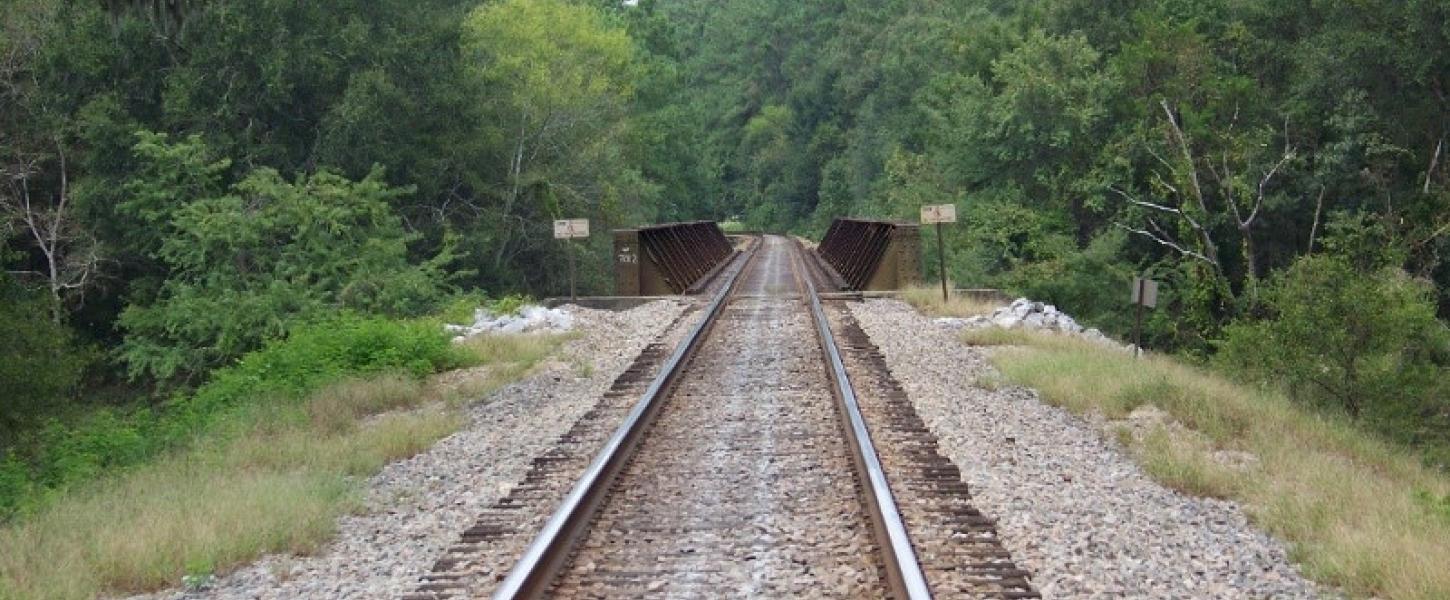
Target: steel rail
{"points": [[547, 554], [903, 570]]}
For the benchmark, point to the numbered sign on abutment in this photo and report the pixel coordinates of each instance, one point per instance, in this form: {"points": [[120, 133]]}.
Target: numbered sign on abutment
{"points": [[938, 213], [571, 228]]}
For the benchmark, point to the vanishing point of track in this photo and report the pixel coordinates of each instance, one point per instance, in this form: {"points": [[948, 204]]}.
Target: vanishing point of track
{"points": [[746, 469]]}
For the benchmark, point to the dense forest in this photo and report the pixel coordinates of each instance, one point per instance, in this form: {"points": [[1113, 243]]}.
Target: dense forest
{"points": [[1279, 166], [187, 180]]}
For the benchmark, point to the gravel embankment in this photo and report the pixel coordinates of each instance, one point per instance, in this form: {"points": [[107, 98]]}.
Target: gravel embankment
{"points": [[416, 507], [1071, 507]]}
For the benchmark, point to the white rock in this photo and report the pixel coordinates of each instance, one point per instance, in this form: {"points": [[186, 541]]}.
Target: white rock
{"points": [[1007, 321], [951, 322], [529, 319], [1028, 314]]}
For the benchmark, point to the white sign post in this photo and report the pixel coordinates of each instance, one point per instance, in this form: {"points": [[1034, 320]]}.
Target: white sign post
{"points": [[569, 229], [1145, 293], [565, 229], [936, 214]]}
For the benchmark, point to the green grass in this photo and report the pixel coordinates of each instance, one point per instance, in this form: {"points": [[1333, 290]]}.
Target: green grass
{"points": [[1359, 513], [273, 477], [44, 463]]}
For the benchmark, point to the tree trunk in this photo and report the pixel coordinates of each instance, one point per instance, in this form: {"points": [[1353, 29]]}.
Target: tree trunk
{"points": [[516, 170], [1250, 264]]}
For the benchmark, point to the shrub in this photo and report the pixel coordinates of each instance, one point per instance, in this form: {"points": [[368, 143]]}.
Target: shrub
{"points": [[249, 265], [283, 372], [1091, 284], [509, 304], [39, 364], [1364, 342]]}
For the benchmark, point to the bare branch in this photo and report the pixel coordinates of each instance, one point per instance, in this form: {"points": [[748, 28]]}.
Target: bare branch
{"points": [[1164, 182], [1191, 221], [72, 257], [1434, 162], [1169, 243], [1434, 234], [1187, 155], [1318, 209], [1137, 202], [1264, 184], [1159, 157]]}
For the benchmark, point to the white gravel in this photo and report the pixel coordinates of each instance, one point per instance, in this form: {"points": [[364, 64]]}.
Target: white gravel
{"points": [[1072, 507], [416, 507]]}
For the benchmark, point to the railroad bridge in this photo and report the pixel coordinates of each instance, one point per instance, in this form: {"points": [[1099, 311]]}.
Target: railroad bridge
{"points": [[769, 452], [681, 258]]}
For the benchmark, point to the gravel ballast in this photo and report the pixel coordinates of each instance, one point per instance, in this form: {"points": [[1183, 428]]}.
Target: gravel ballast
{"points": [[1071, 506], [416, 507]]}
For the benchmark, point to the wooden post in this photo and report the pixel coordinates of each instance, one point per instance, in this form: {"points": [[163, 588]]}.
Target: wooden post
{"points": [[1138, 318], [567, 230], [570, 249], [938, 214], [941, 259]]}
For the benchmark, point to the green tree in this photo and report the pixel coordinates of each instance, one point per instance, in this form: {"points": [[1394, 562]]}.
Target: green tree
{"points": [[1364, 342], [250, 265], [554, 81], [40, 366]]}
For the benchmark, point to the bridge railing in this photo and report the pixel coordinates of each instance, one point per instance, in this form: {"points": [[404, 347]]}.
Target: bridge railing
{"points": [[672, 258], [873, 255]]}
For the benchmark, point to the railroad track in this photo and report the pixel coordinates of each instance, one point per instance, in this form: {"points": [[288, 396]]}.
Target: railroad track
{"points": [[744, 469]]}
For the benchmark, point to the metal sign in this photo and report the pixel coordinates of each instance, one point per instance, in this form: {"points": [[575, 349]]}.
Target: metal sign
{"points": [[938, 213], [571, 228], [1145, 292]]}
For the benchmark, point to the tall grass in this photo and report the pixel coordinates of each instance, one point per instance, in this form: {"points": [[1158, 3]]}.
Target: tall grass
{"points": [[48, 461], [273, 477], [1359, 513], [928, 300]]}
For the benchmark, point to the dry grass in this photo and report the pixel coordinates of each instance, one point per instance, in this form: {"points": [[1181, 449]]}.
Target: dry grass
{"points": [[928, 300], [503, 359], [997, 336], [205, 510], [338, 408], [522, 349], [275, 484], [1349, 504]]}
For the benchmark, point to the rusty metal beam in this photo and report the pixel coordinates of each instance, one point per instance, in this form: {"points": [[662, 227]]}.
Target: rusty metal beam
{"points": [[672, 258], [872, 255]]}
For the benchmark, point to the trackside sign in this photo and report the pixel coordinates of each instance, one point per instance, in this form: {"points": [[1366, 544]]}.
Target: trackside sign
{"points": [[565, 229]]}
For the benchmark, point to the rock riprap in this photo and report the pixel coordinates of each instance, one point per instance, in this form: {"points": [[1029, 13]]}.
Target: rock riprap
{"points": [[1027, 314], [529, 319]]}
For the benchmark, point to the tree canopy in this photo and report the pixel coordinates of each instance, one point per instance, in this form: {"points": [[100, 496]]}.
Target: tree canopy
{"points": [[182, 181]]}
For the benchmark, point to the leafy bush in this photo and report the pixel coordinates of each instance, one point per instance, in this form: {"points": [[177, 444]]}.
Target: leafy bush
{"points": [[509, 304], [250, 265], [284, 371], [1090, 284], [999, 233], [39, 363], [1364, 342]]}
